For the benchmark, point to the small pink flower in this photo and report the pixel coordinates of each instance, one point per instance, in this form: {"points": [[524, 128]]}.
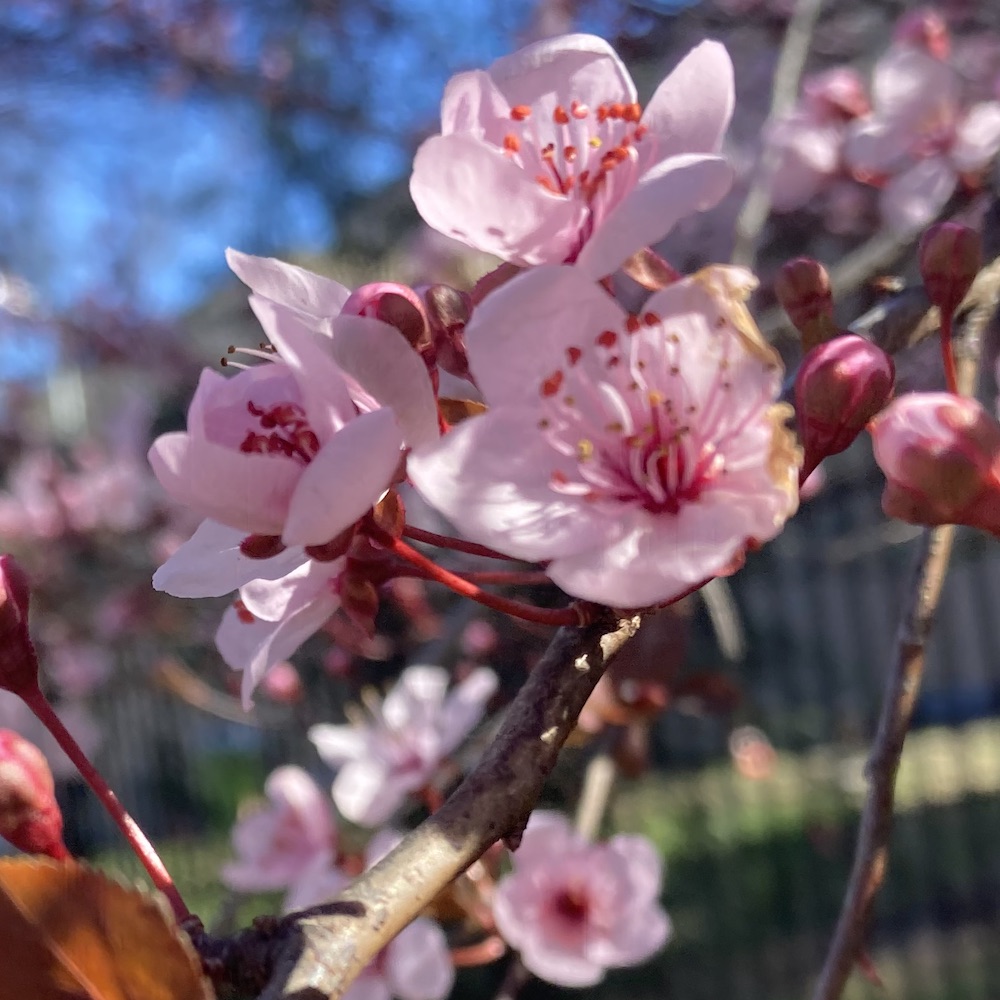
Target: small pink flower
{"points": [[920, 137], [636, 454], [941, 457], [417, 725], [575, 909], [415, 965], [281, 449], [548, 157], [278, 842]]}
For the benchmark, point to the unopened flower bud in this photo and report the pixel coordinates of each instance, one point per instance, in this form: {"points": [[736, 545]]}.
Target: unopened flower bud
{"points": [[29, 816], [840, 386], [18, 662], [803, 289], [924, 29], [950, 256], [395, 304], [448, 310], [941, 457]]}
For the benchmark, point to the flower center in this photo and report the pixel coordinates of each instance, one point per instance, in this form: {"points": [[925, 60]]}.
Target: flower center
{"points": [[624, 418], [288, 432], [574, 152], [572, 904]]}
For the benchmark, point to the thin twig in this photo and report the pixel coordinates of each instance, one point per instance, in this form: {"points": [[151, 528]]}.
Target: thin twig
{"points": [[327, 952], [791, 62], [871, 853]]}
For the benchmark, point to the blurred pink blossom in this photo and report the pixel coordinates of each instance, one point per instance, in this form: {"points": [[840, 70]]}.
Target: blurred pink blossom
{"points": [[414, 729], [548, 157], [920, 139], [77, 667], [290, 835], [638, 454], [575, 909]]}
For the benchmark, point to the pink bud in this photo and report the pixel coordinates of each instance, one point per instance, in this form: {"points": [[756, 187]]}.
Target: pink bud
{"points": [[29, 816], [18, 662], [941, 457], [395, 304], [840, 386], [950, 256], [803, 289], [282, 683], [837, 93], [926, 29]]}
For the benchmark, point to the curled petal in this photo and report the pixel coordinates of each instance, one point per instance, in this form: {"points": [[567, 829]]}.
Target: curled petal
{"points": [[288, 285]]}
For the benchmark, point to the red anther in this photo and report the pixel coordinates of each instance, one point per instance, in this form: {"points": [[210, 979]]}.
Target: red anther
{"points": [[616, 110], [613, 362], [559, 478], [607, 338], [548, 184], [651, 319], [262, 546], [578, 110], [573, 354], [620, 153], [632, 112], [511, 143], [560, 116], [520, 112], [551, 385], [602, 113], [632, 323], [242, 613], [640, 130], [549, 152], [608, 161], [569, 154]]}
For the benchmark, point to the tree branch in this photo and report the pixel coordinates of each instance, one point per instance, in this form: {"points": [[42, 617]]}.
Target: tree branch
{"points": [[326, 952]]}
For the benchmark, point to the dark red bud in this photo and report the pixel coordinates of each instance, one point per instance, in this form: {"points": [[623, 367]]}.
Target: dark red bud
{"points": [[803, 289], [18, 661], [840, 386], [950, 256], [333, 549], [29, 816], [448, 310]]}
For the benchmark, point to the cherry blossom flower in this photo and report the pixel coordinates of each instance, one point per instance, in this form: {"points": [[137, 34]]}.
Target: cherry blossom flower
{"points": [[920, 137], [574, 909], [637, 453], [415, 965], [417, 725], [278, 842], [807, 143], [941, 457], [281, 449], [548, 157]]}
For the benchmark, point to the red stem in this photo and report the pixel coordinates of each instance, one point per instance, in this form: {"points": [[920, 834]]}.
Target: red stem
{"points": [[138, 841], [503, 578], [572, 615], [948, 355], [447, 542]]}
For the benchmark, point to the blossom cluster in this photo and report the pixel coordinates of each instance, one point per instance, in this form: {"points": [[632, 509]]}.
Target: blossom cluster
{"points": [[918, 135]]}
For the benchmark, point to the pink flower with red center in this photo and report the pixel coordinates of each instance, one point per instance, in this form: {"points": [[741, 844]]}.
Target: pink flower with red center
{"points": [[941, 457], [414, 729], [548, 157], [920, 140], [575, 909], [636, 454], [276, 843]]}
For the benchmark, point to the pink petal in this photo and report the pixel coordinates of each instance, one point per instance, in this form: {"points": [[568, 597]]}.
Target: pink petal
{"points": [[491, 477], [806, 154], [665, 194], [873, 147], [691, 109], [250, 492], [473, 105], [254, 647], [210, 564], [471, 191], [338, 744], [368, 986], [273, 599], [345, 479], [907, 83], [364, 793], [644, 865], [640, 935], [388, 368], [913, 199], [416, 697], [518, 334], [558, 966], [288, 285], [465, 706], [325, 394], [559, 70], [977, 140], [418, 963], [320, 884]]}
